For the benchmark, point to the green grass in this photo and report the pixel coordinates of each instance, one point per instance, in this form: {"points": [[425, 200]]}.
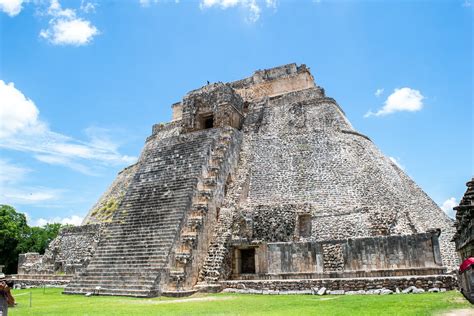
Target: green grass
{"points": [[52, 302]]}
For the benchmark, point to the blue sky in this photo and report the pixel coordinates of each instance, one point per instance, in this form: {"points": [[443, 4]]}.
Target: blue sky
{"points": [[82, 83]]}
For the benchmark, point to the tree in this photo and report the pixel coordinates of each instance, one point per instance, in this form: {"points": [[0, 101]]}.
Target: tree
{"points": [[13, 228], [37, 239], [17, 237]]}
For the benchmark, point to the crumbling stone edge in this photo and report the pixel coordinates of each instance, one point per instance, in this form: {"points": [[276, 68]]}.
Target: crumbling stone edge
{"points": [[386, 285]]}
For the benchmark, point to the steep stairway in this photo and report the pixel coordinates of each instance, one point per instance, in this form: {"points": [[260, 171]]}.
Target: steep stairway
{"points": [[193, 243], [132, 258]]}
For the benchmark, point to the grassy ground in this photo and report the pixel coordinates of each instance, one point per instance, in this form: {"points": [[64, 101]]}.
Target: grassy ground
{"points": [[52, 302]]}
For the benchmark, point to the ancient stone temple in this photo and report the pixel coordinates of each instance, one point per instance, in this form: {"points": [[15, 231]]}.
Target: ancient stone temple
{"points": [[259, 183]]}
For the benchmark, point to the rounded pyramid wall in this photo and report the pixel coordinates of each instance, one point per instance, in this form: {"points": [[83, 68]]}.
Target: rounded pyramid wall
{"points": [[304, 156]]}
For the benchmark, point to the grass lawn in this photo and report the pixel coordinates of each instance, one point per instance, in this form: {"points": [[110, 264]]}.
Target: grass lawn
{"points": [[52, 302]]}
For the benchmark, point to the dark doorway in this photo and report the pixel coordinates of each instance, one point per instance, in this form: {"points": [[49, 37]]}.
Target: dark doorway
{"points": [[208, 122], [247, 260], [304, 225]]}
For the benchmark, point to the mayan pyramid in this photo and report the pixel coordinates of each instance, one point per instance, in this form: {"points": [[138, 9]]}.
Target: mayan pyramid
{"points": [[261, 182]]}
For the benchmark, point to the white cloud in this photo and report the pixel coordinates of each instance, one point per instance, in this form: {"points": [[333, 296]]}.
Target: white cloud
{"points": [[467, 4], [448, 205], [251, 6], [22, 130], [87, 7], [404, 99], [73, 220], [11, 190], [66, 28], [397, 162], [144, 3], [378, 92], [10, 173], [147, 3], [17, 112], [271, 3], [11, 7]]}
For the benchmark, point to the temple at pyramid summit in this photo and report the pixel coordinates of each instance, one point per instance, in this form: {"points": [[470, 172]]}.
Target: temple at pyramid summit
{"points": [[262, 184]]}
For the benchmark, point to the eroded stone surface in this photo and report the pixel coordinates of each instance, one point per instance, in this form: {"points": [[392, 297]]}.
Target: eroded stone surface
{"points": [[263, 179]]}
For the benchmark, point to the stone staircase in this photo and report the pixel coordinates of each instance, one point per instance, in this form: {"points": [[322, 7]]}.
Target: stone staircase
{"points": [[194, 240], [133, 256], [213, 267]]}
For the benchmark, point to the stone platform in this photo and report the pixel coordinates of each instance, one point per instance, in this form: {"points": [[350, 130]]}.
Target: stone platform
{"points": [[35, 280], [425, 282]]}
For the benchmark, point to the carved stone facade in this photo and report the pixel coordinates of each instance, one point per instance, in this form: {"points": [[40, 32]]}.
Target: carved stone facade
{"points": [[464, 237], [257, 180]]}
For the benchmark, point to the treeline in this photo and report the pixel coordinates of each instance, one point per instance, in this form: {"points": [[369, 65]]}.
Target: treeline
{"points": [[17, 237]]}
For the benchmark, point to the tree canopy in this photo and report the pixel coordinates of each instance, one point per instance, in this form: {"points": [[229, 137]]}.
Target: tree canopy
{"points": [[17, 237]]}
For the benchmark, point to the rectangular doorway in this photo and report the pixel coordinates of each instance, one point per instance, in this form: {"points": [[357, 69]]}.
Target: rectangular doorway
{"points": [[247, 261]]}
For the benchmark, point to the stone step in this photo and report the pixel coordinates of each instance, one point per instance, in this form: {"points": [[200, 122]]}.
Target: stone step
{"points": [[183, 257], [113, 291], [160, 247], [137, 258], [131, 262], [113, 269], [157, 242], [195, 222], [141, 219], [189, 238], [135, 246], [138, 255], [209, 181], [89, 280], [142, 236], [150, 232], [214, 169], [154, 227], [141, 272], [146, 220], [207, 194], [176, 273], [199, 207], [131, 232], [126, 257]]}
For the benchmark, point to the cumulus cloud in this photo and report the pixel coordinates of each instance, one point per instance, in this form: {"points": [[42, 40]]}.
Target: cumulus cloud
{"points": [[404, 99], [72, 220], [66, 28], [23, 130], [253, 7], [448, 205], [11, 7], [17, 112], [378, 92], [397, 162]]}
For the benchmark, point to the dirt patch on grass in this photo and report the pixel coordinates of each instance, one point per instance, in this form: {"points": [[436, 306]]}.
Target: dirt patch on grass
{"points": [[183, 300], [328, 298]]}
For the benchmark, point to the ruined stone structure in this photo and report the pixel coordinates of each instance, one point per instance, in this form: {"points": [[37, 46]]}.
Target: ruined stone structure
{"points": [[464, 236], [263, 183], [464, 239]]}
